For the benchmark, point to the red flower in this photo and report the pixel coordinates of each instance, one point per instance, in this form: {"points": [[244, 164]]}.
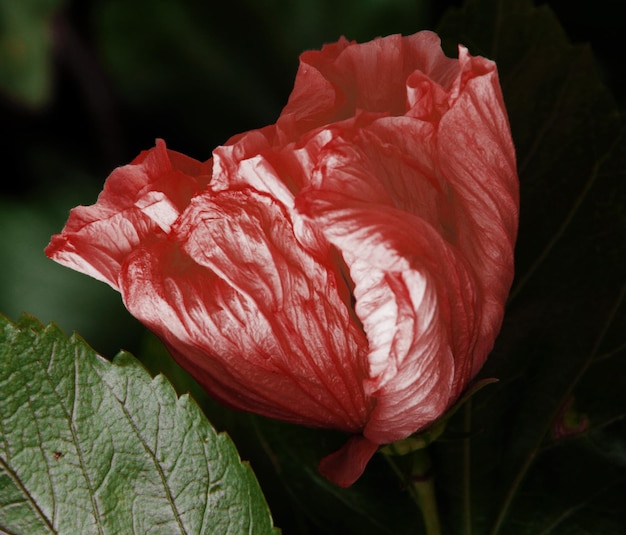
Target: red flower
{"points": [[346, 267]]}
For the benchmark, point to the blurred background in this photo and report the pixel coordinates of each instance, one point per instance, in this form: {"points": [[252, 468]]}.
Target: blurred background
{"points": [[85, 85]]}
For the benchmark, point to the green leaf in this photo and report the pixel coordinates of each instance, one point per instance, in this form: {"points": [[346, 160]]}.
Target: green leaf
{"points": [[563, 339], [26, 49], [90, 446]]}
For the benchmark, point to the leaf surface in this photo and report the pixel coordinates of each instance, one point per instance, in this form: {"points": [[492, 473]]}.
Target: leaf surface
{"points": [[90, 446]]}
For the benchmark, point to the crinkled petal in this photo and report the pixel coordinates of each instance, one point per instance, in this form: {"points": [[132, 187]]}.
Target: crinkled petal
{"points": [[479, 165], [460, 182], [426, 99], [382, 160], [369, 76], [259, 320], [139, 201], [406, 279], [415, 377]]}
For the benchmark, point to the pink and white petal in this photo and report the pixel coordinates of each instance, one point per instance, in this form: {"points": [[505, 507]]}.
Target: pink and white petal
{"points": [[300, 292], [337, 163], [373, 74], [228, 157], [399, 154], [270, 316], [479, 162], [315, 78], [424, 54], [388, 238], [386, 160], [276, 172], [426, 99], [99, 248], [259, 173], [219, 336], [406, 287], [139, 201], [420, 388]]}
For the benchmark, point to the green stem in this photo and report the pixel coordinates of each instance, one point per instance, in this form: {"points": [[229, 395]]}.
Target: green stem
{"points": [[423, 490], [419, 481]]}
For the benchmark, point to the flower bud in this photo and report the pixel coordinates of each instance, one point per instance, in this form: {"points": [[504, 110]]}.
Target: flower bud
{"points": [[344, 268]]}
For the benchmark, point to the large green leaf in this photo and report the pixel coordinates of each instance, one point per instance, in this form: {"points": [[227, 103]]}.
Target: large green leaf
{"points": [[90, 446]]}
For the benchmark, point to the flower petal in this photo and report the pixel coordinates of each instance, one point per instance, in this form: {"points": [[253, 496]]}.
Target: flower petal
{"points": [[461, 182], [347, 464], [258, 320], [407, 283], [332, 84], [479, 165], [139, 201]]}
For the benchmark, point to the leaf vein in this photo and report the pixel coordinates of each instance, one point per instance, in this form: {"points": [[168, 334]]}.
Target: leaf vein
{"points": [[157, 464], [31, 501]]}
